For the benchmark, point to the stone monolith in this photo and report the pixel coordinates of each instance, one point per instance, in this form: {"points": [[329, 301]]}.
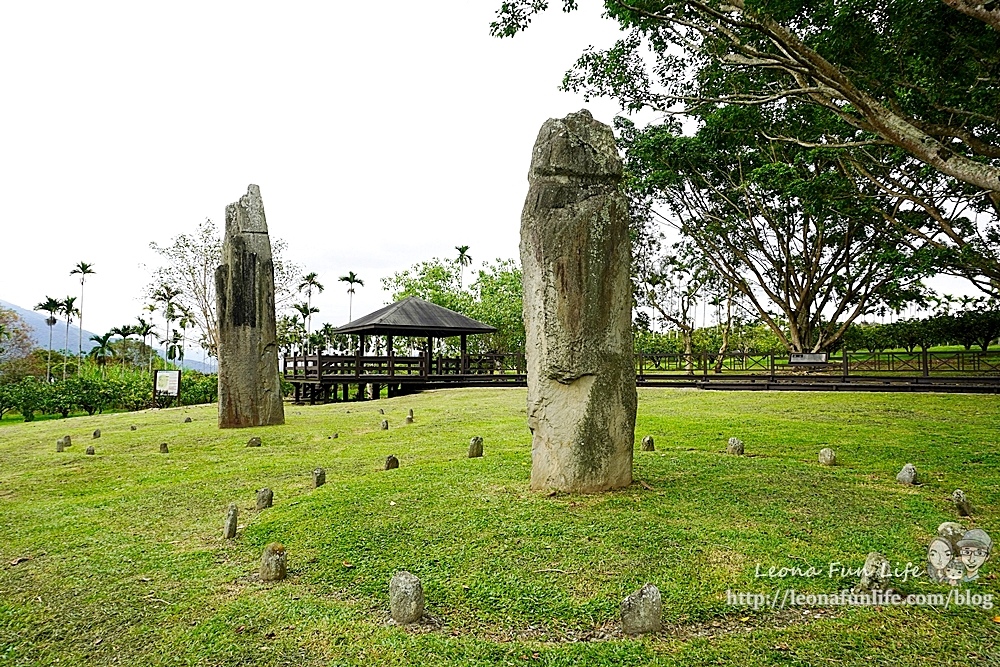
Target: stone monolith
{"points": [[249, 384], [575, 257]]}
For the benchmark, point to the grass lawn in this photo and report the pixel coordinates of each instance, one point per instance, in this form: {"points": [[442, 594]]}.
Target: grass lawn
{"points": [[127, 565]]}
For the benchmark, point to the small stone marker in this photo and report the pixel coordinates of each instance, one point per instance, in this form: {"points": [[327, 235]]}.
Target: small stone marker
{"points": [[265, 498], [641, 611], [91, 451], [229, 530], [875, 575], [66, 441], [406, 598], [391, 462], [735, 446], [961, 502], [187, 420], [647, 444], [60, 445], [272, 563], [410, 413], [253, 442], [381, 411], [319, 478], [333, 437], [908, 475], [385, 424], [827, 457], [409, 419], [164, 449], [132, 427], [476, 447], [97, 433]]}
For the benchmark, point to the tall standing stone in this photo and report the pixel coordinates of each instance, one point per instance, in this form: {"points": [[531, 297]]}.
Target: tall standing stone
{"points": [[575, 257], [249, 383]]}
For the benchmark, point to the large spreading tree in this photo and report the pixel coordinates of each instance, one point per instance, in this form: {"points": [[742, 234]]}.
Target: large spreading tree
{"points": [[910, 89]]}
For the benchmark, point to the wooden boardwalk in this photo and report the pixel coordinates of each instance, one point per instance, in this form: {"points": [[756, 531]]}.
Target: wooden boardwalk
{"points": [[322, 378]]}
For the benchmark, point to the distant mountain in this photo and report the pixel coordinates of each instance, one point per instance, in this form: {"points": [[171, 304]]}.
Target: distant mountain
{"points": [[40, 334], [40, 330]]}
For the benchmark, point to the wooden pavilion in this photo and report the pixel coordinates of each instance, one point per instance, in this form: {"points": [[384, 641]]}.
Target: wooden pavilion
{"points": [[322, 377]]}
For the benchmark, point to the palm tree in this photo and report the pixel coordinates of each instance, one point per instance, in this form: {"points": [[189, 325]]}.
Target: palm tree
{"points": [[67, 308], [185, 322], [306, 311], [51, 306], [145, 329], [463, 260], [329, 333], [166, 294], [310, 283], [102, 350], [84, 270], [352, 280], [124, 331]]}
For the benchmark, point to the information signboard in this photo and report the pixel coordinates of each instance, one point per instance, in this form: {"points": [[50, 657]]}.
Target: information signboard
{"points": [[167, 383]]}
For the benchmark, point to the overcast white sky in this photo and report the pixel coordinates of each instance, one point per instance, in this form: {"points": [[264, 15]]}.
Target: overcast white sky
{"points": [[381, 134]]}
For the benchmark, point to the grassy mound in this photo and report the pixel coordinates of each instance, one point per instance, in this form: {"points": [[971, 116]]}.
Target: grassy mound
{"points": [[120, 557]]}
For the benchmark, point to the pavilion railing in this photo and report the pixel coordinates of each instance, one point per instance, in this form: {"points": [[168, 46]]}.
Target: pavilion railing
{"points": [[320, 367]]}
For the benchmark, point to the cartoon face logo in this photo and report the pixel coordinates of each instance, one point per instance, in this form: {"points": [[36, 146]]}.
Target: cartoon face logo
{"points": [[954, 572], [939, 553], [974, 550]]}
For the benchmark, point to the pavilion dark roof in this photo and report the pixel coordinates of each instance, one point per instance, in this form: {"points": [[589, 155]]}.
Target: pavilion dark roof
{"points": [[415, 317]]}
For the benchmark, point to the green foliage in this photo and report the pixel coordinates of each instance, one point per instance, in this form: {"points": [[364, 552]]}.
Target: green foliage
{"points": [[197, 388], [94, 391], [28, 396], [494, 298]]}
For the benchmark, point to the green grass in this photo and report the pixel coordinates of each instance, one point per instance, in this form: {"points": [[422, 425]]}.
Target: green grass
{"points": [[127, 565]]}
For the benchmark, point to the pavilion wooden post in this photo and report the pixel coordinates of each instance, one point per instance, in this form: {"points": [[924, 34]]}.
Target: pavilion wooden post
{"points": [[464, 369], [430, 344], [389, 353]]}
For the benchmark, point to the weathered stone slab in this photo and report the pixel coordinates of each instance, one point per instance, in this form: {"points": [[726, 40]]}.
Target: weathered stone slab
{"points": [[319, 478], [476, 447], [249, 384], [735, 447], [647, 444], [384, 425], [575, 258], [91, 451], [876, 574], [254, 442], [908, 474], [273, 562], [406, 598], [641, 611], [827, 457], [961, 502], [97, 434], [391, 462], [265, 498], [164, 449], [232, 517]]}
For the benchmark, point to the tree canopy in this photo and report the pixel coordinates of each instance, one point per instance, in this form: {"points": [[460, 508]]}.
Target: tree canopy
{"points": [[910, 89]]}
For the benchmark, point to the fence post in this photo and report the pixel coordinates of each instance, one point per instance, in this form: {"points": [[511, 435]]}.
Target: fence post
{"points": [[846, 364], [771, 363], [925, 362]]}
